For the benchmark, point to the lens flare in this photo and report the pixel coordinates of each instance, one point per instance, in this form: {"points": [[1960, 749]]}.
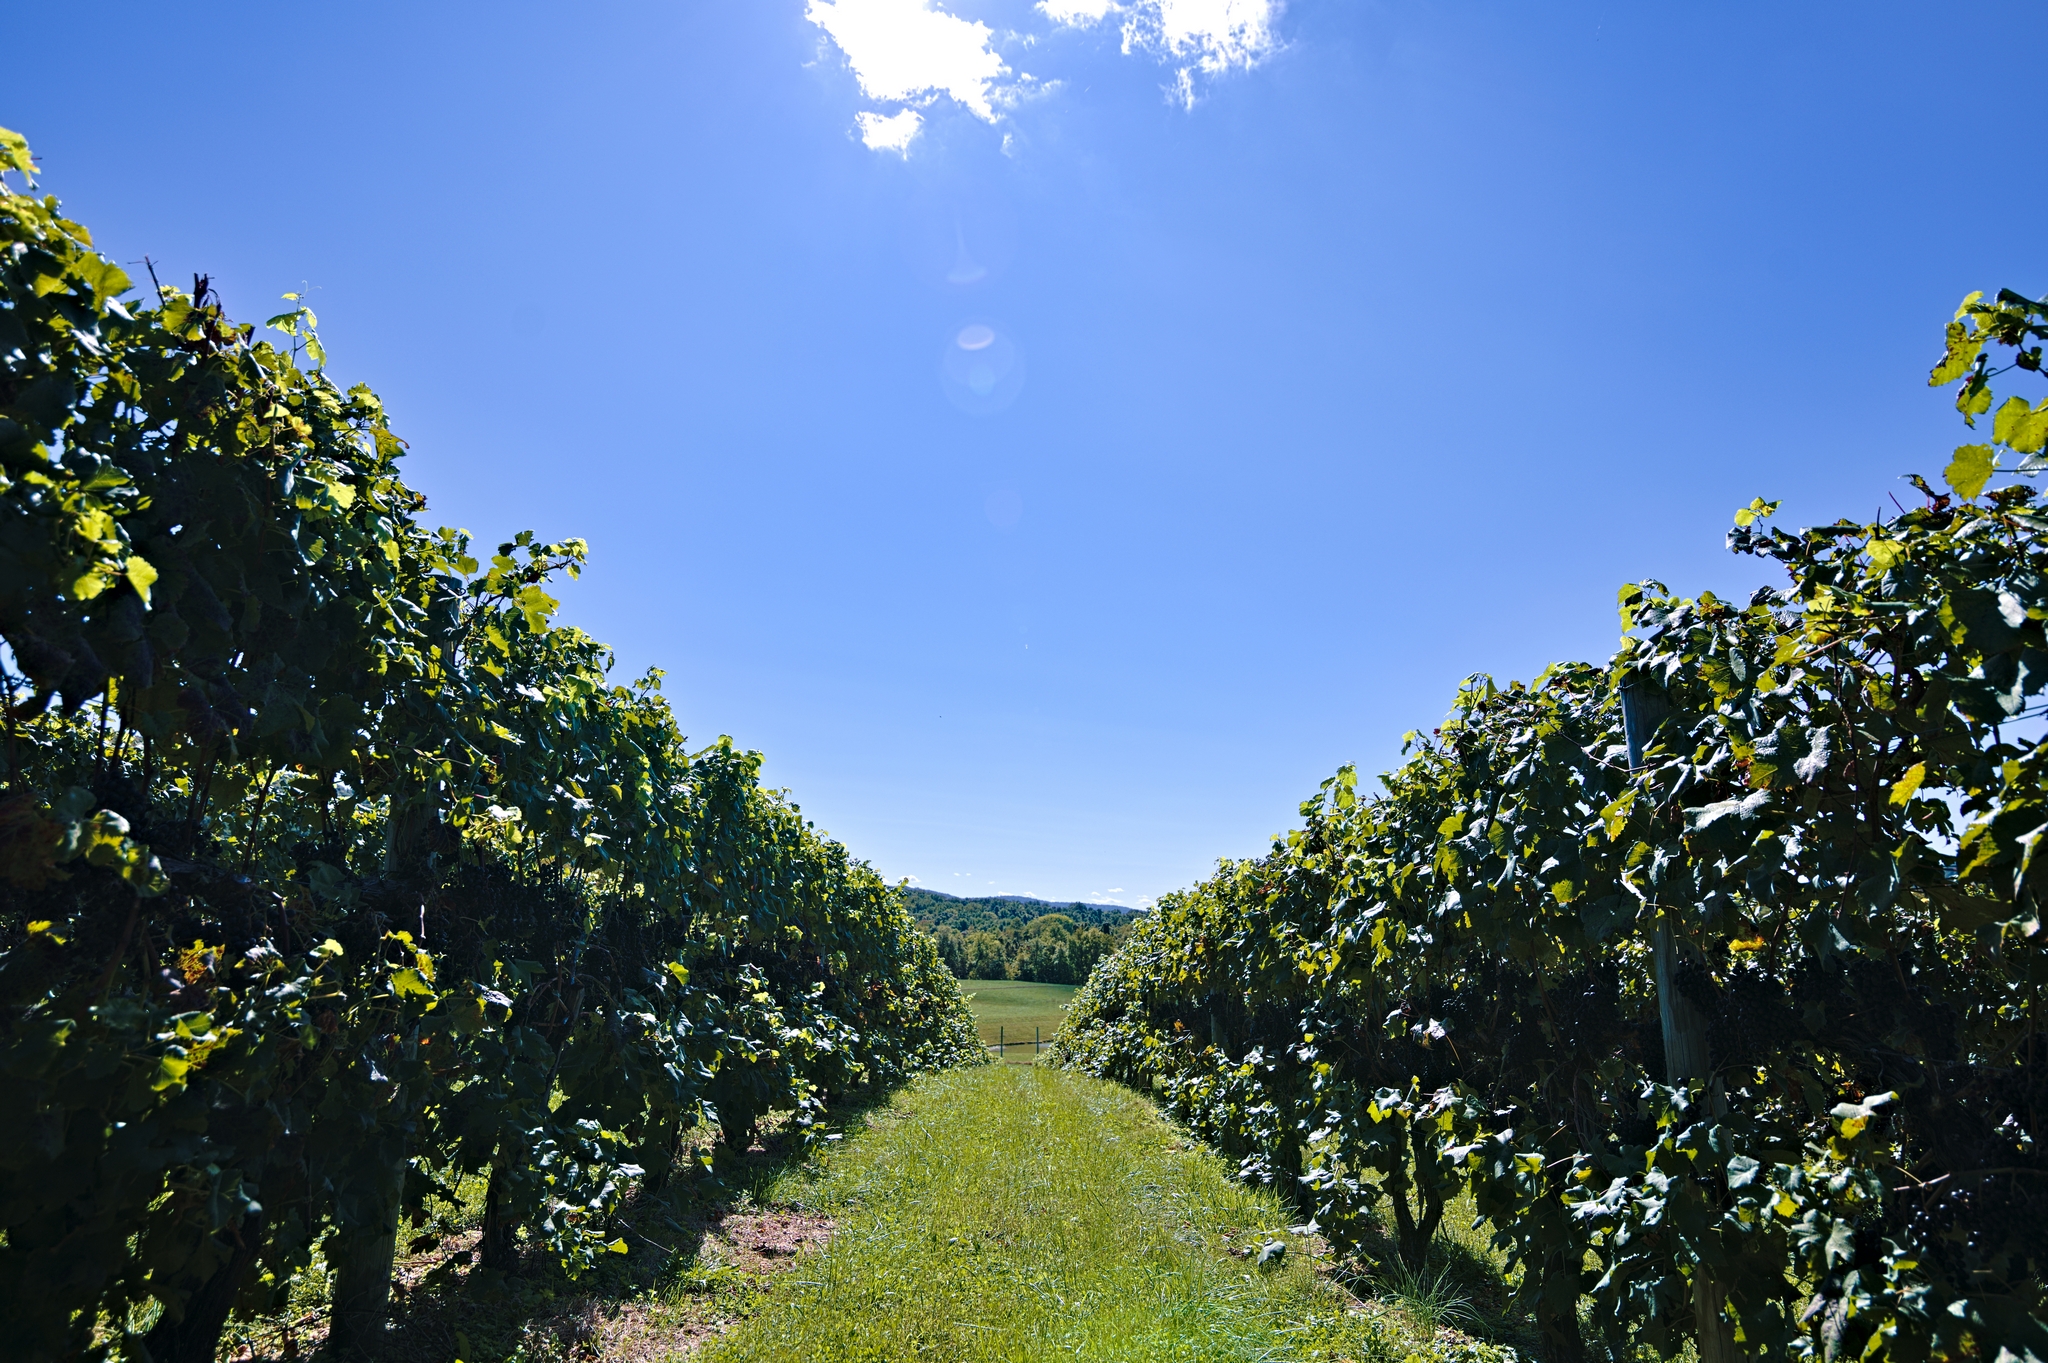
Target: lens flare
{"points": [[982, 369], [960, 237]]}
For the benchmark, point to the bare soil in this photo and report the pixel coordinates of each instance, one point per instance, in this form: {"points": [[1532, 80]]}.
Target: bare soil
{"points": [[700, 1258]]}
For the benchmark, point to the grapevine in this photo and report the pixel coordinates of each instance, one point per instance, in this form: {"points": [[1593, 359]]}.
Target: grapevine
{"points": [[333, 866], [1451, 983]]}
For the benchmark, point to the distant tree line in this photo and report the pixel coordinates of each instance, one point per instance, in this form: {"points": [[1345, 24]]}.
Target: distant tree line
{"points": [[1010, 938]]}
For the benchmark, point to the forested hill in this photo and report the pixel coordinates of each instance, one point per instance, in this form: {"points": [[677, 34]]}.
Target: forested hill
{"points": [[935, 909], [1013, 938]]}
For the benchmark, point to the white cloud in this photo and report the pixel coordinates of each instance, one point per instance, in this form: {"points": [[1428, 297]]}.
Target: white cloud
{"points": [[1079, 13], [891, 133], [912, 53], [1220, 33], [908, 52], [1209, 36]]}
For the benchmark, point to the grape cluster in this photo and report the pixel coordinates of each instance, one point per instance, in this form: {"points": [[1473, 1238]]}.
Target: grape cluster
{"points": [[1875, 1002], [1696, 984], [1993, 1224], [1587, 1010], [1752, 1018], [1810, 984], [1875, 1009]]}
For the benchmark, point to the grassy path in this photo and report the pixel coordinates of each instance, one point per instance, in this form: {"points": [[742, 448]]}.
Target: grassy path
{"points": [[1020, 1213], [1014, 1011]]}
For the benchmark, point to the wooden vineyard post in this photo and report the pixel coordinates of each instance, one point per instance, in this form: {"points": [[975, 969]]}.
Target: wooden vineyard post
{"points": [[1684, 1026]]}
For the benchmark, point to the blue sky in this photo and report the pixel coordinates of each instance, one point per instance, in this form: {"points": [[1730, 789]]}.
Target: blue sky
{"points": [[1164, 409]]}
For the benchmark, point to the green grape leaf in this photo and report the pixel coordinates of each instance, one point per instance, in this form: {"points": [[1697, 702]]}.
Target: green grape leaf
{"points": [[1903, 788], [1970, 470], [14, 155], [1960, 352], [2021, 427], [141, 576]]}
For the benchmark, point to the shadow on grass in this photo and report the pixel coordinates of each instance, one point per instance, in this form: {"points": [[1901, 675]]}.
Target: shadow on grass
{"points": [[1459, 1290], [701, 1252]]}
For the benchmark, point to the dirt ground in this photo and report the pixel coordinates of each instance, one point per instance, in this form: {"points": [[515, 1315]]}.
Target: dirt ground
{"points": [[699, 1259]]}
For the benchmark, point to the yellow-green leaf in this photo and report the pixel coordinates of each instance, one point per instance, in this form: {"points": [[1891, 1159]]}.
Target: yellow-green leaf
{"points": [[141, 576], [536, 605], [1757, 510], [2021, 426], [1973, 399], [170, 1073], [14, 154], [1903, 788], [102, 276], [1615, 816], [1970, 470], [1960, 351]]}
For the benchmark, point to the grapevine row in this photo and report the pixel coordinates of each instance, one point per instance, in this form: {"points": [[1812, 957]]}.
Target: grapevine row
{"points": [[1712, 973], [332, 868]]}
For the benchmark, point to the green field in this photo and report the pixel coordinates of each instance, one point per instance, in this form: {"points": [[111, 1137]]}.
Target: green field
{"points": [[999, 1213], [1009, 1009]]}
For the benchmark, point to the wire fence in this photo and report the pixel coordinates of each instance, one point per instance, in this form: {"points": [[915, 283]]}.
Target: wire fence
{"points": [[1002, 1044]]}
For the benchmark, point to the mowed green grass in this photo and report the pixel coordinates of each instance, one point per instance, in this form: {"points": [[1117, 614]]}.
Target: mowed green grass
{"points": [[1025, 1213], [1009, 1009]]}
